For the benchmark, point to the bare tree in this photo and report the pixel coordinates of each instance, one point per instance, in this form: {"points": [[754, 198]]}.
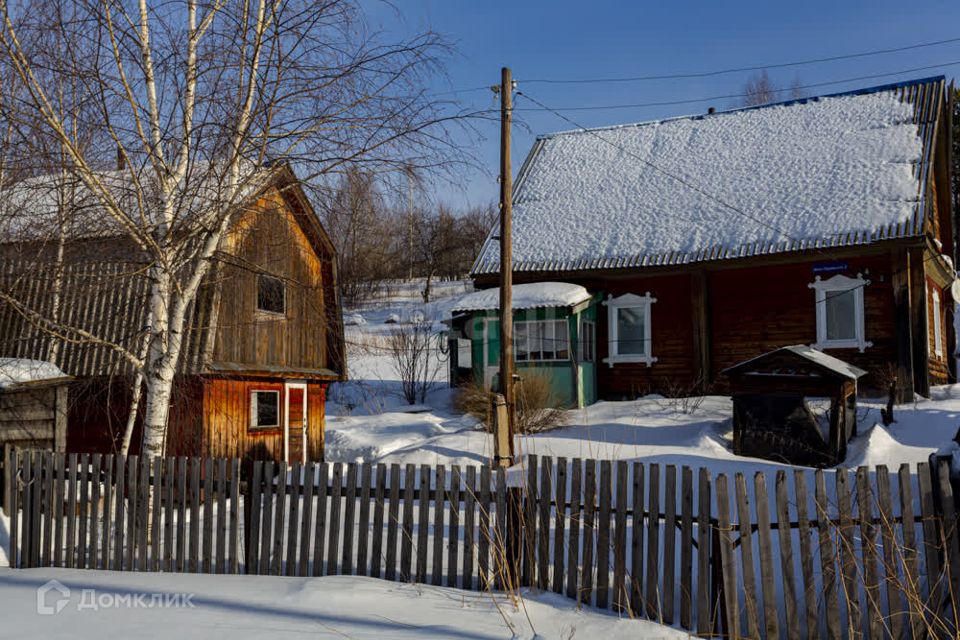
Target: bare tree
{"points": [[197, 101], [759, 89], [412, 349]]}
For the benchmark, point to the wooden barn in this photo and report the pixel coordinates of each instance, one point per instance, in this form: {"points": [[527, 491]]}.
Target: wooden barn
{"points": [[264, 341], [825, 221], [33, 404]]}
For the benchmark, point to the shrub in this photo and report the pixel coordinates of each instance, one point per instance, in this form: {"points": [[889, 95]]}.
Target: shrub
{"points": [[536, 404]]}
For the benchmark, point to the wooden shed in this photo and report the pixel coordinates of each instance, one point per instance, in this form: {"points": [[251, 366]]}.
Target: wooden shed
{"points": [[794, 404], [33, 404]]}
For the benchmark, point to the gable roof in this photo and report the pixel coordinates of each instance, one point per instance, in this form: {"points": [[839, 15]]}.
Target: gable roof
{"points": [[829, 171], [822, 360]]}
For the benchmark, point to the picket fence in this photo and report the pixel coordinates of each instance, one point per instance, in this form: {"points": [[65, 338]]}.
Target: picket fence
{"points": [[858, 556]]}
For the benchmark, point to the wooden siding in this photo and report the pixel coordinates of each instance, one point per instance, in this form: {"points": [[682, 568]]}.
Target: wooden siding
{"points": [[226, 422], [269, 240]]}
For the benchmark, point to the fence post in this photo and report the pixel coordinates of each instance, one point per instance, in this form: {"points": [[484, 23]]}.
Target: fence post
{"points": [[6, 478]]}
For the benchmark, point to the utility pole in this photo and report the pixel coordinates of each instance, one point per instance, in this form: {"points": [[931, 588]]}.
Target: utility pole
{"points": [[504, 439]]}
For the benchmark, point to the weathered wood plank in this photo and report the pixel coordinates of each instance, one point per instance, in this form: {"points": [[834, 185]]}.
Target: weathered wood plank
{"points": [[728, 558], [501, 554], [319, 534], [423, 523], [909, 552], [786, 556], [573, 548], [828, 559], [469, 539], [376, 546], [484, 534], [209, 499], [765, 555], [544, 496], [889, 576], [637, 602], [293, 520], [868, 549], [36, 511], [848, 562], [133, 468], [279, 513], [26, 504], [705, 603], [306, 522], [363, 528], [143, 513], [59, 473], [221, 490], [96, 462], [83, 506], [528, 564], [652, 589], [406, 537], [182, 527], [253, 506], [746, 557], [235, 517], [589, 520], [349, 519], [603, 535], [686, 548], [669, 543], [15, 504], [195, 474], [47, 550], [439, 513], [560, 525], [266, 526], [453, 527], [393, 523], [119, 518], [71, 515], [108, 510], [810, 593]]}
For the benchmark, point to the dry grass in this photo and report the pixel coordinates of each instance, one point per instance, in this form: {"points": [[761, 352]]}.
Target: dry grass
{"points": [[536, 404]]}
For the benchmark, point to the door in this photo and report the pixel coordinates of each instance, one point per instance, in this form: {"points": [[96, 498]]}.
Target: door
{"points": [[295, 422]]}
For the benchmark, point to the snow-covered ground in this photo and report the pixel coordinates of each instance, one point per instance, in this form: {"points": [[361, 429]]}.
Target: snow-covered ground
{"points": [[368, 421], [260, 606]]}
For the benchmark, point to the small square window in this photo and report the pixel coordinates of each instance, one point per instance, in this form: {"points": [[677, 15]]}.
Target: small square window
{"points": [[271, 294], [264, 409]]}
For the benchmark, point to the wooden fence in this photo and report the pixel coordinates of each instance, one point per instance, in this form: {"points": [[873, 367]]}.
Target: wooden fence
{"points": [[798, 554]]}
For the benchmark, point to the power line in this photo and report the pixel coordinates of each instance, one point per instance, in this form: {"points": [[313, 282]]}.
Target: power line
{"points": [[667, 103], [719, 72]]}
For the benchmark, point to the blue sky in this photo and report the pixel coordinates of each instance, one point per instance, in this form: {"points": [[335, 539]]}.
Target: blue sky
{"points": [[567, 39]]}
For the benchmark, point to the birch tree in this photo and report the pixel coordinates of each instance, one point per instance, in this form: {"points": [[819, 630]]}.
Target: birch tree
{"points": [[197, 100]]}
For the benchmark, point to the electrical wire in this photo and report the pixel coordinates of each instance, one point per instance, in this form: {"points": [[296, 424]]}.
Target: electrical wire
{"points": [[719, 72]]}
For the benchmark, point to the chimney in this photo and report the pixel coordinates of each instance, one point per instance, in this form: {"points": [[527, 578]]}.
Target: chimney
{"points": [[711, 111], [120, 161]]}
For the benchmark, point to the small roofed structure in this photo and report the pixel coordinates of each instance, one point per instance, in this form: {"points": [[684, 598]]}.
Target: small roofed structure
{"points": [[795, 404], [33, 404]]}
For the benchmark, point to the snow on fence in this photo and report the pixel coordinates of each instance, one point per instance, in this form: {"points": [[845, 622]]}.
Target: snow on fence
{"points": [[854, 555]]}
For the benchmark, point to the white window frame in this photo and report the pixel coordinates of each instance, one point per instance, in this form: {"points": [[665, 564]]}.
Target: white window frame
{"points": [[629, 301], [587, 338], [253, 409], [937, 324], [839, 284], [532, 324]]}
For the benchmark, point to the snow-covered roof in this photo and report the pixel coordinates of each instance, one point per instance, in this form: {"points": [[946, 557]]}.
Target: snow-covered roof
{"points": [[17, 371], [818, 172], [526, 296], [821, 359]]}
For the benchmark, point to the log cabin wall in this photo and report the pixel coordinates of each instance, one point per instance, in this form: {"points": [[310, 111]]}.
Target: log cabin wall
{"points": [[938, 364], [750, 310], [226, 420], [268, 240]]}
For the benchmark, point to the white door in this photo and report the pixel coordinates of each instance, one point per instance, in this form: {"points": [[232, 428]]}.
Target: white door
{"points": [[295, 422]]}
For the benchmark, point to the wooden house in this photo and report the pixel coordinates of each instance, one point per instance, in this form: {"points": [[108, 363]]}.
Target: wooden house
{"points": [[555, 328], [825, 221], [264, 337]]}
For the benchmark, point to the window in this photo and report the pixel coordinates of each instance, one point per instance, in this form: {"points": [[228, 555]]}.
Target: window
{"points": [[839, 303], [264, 409], [588, 341], [541, 340], [628, 323], [937, 327], [270, 294]]}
